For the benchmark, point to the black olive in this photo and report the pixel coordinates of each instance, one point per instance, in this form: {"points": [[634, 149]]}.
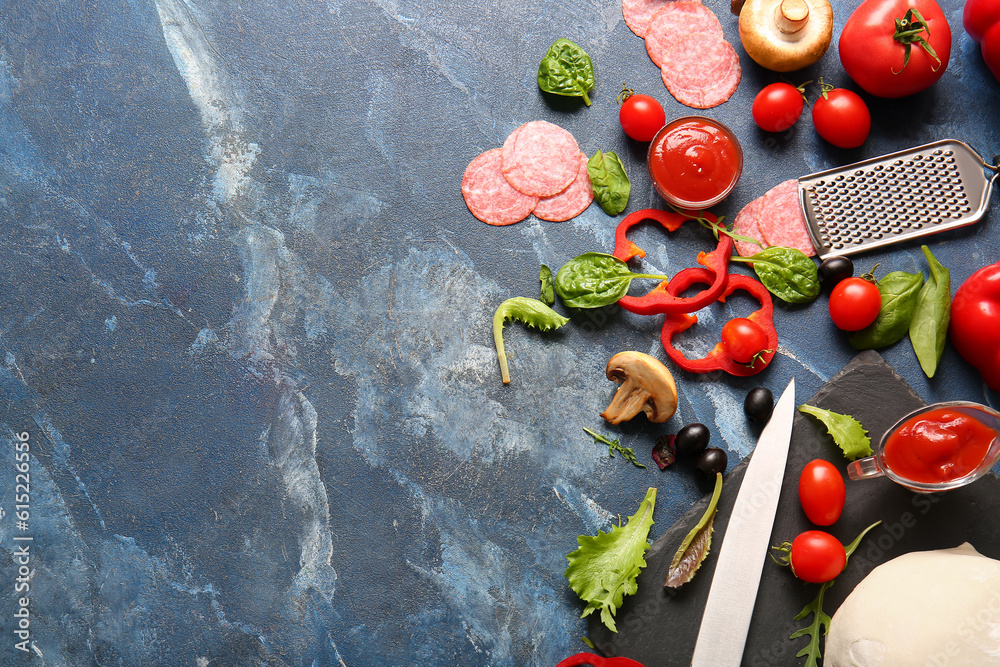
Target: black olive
{"points": [[834, 269], [758, 404], [711, 461], [691, 439]]}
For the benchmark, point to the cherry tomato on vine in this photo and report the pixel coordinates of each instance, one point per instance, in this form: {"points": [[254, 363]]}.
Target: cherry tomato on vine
{"points": [[743, 339], [817, 557], [641, 116], [854, 303], [841, 117], [822, 492], [777, 107]]}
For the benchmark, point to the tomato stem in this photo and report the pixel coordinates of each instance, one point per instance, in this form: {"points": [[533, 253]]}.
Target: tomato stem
{"points": [[625, 93], [909, 31]]}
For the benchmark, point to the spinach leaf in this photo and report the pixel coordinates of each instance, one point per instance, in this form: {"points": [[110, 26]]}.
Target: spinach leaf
{"points": [[530, 312], [787, 273], [929, 326], [609, 181], [548, 295], [595, 279], [566, 70], [899, 299]]}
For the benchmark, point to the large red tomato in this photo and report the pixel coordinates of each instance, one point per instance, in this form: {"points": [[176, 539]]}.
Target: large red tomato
{"points": [[981, 19], [878, 36]]}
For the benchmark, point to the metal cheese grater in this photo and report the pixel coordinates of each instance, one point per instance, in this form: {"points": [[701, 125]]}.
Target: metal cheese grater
{"points": [[896, 197]]}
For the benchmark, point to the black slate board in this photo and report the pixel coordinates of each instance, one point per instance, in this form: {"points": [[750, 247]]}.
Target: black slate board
{"points": [[659, 628]]}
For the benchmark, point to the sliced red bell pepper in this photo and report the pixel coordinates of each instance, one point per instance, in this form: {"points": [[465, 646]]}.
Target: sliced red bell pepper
{"points": [[659, 300], [585, 659], [717, 359]]}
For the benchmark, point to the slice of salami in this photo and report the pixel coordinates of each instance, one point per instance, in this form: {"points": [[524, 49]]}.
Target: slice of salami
{"points": [[746, 224], [780, 218], [540, 159], [637, 13], [671, 22], [701, 70], [488, 194], [571, 202]]}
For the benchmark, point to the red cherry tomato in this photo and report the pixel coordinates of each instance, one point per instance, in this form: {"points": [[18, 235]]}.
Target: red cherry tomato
{"points": [[822, 492], [592, 660], [817, 557], [641, 116], [842, 118], [854, 304], [777, 107], [743, 339]]}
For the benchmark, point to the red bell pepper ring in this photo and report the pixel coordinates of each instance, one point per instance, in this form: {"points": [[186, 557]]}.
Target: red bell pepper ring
{"points": [[659, 300], [585, 659], [718, 359]]}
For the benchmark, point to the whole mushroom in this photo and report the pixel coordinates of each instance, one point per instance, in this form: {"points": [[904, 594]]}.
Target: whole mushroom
{"points": [[646, 386], [786, 35]]}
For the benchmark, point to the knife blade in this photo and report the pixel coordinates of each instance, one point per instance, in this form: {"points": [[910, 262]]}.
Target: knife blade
{"points": [[726, 621]]}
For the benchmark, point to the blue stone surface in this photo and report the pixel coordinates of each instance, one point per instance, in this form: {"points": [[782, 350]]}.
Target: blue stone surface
{"points": [[245, 323]]}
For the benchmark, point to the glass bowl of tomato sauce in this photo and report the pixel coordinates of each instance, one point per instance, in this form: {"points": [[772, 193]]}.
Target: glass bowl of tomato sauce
{"points": [[694, 162], [939, 447]]}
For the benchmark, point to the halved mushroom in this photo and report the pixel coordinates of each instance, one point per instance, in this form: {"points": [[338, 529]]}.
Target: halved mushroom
{"points": [[786, 35], [646, 386]]}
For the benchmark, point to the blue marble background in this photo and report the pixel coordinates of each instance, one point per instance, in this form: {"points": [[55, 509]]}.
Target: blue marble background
{"points": [[245, 321]]}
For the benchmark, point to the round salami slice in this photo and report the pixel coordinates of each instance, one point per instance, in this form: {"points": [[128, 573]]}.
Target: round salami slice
{"points": [[488, 194], [571, 202], [540, 159], [780, 218], [637, 13], [746, 224], [671, 22], [701, 70]]}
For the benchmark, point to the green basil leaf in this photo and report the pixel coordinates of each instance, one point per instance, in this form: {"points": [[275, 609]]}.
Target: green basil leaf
{"points": [[899, 292], [609, 181], [592, 280], [787, 273], [929, 326], [566, 70], [548, 294]]}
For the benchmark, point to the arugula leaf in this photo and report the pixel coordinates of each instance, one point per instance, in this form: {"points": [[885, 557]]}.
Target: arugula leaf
{"points": [[615, 446], [821, 620], [604, 569], [609, 181], [929, 326], [847, 431], [696, 544], [530, 312], [566, 70]]}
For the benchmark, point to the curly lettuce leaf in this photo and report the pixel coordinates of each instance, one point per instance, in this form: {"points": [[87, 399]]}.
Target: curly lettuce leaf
{"points": [[530, 312], [604, 569], [847, 431]]}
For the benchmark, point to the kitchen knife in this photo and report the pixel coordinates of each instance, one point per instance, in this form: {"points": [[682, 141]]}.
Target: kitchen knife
{"points": [[724, 626]]}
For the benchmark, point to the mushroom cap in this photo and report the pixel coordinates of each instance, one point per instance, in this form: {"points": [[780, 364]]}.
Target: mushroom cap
{"points": [[646, 386], [786, 35]]}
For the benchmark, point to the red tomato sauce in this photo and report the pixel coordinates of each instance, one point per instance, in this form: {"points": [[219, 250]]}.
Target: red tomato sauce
{"points": [[694, 162], [938, 446]]}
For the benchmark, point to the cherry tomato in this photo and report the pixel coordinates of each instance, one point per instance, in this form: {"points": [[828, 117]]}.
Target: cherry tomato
{"points": [[854, 304], [743, 339], [641, 116], [592, 660], [817, 557], [777, 107], [822, 492], [842, 118]]}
